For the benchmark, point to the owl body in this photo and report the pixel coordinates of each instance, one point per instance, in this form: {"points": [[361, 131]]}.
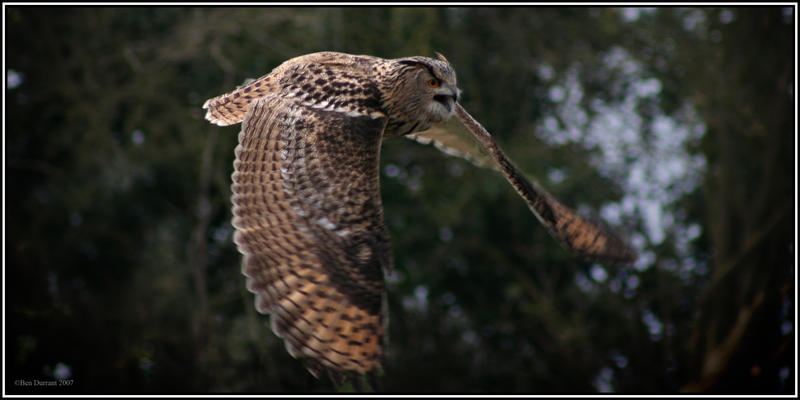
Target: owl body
{"points": [[306, 197], [357, 85]]}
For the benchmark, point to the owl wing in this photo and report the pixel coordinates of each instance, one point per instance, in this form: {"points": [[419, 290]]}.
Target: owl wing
{"points": [[462, 135], [308, 219], [452, 137]]}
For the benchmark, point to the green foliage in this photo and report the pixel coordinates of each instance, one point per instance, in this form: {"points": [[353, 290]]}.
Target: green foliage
{"points": [[121, 273]]}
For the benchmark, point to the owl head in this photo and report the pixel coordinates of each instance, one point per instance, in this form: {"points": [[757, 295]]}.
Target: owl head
{"points": [[432, 85]]}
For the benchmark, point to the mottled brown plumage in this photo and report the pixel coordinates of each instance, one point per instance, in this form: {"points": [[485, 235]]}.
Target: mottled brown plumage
{"points": [[306, 199]]}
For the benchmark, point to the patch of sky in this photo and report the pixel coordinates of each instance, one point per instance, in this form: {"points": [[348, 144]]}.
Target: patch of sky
{"points": [[648, 157], [545, 71], [137, 137], [631, 14], [418, 301], [726, 16], [619, 360], [13, 79], [695, 21], [556, 175], [653, 324], [603, 380], [62, 371], [445, 234], [585, 284], [788, 15], [598, 274]]}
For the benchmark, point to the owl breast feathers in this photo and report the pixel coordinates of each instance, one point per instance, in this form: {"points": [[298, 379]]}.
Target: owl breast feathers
{"points": [[306, 201]]}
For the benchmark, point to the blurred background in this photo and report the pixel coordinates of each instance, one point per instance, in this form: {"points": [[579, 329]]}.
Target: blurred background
{"points": [[674, 126]]}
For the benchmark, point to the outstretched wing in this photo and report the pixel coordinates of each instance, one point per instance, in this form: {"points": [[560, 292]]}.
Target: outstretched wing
{"points": [[452, 137], [308, 219], [463, 136]]}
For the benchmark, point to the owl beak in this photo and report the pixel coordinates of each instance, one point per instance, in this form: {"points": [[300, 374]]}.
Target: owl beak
{"points": [[455, 94], [445, 99]]}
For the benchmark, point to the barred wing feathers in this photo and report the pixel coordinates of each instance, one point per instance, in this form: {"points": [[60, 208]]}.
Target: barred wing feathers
{"points": [[308, 218]]}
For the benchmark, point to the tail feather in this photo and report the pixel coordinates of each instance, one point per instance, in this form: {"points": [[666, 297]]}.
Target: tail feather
{"points": [[230, 108]]}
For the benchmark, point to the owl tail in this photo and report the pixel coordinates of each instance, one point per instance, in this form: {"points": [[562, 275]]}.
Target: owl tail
{"points": [[229, 108]]}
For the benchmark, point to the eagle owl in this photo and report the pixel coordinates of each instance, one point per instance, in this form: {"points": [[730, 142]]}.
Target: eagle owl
{"points": [[306, 202]]}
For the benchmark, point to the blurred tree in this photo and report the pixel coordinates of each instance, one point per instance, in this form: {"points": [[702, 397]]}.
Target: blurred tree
{"points": [[742, 341], [121, 273]]}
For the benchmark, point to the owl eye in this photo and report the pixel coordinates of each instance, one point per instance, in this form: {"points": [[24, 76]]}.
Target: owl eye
{"points": [[433, 82]]}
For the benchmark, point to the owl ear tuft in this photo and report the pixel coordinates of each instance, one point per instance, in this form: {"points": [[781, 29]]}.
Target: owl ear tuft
{"points": [[413, 63], [441, 57]]}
